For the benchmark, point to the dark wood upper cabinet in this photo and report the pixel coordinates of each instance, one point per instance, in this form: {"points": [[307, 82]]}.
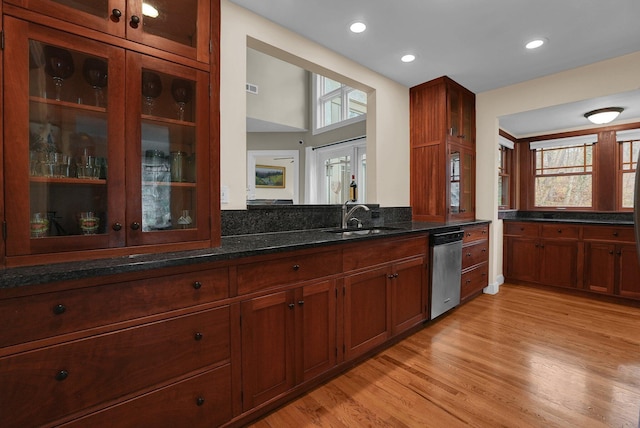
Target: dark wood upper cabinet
{"points": [[442, 151]]}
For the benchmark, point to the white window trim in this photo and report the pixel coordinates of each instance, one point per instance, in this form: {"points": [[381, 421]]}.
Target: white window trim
{"points": [[317, 112]]}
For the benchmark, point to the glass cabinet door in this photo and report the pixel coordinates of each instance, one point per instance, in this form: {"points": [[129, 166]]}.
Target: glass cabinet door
{"points": [[461, 182], [167, 153], [181, 26], [63, 166], [102, 15]]}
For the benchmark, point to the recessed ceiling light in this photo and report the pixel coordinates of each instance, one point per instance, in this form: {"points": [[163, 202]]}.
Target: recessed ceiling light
{"points": [[534, 44], [408, 58], [358, 27]]}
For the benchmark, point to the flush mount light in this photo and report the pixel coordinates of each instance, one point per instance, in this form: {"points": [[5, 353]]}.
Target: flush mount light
{"points": [[358, 27], [408, 58], [603, 115], [150, 11], [534, 44]]}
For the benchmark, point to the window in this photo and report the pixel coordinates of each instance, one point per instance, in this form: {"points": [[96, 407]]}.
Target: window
{"points": [[505, 173], [629, 146], [336, 104], [564, 172]]}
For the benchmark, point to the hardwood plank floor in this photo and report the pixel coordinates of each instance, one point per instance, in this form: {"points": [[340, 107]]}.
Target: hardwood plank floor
{"points": [[522, 358]]}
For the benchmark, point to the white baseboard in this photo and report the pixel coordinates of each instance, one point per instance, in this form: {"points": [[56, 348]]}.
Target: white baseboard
{"points": [[494, 288]]}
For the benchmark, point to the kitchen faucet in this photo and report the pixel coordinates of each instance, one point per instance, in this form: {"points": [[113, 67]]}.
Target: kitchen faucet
{"points": [[346, 215]]}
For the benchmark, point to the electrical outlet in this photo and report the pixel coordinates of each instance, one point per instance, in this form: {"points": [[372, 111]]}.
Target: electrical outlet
{"points": [[224, 194]]}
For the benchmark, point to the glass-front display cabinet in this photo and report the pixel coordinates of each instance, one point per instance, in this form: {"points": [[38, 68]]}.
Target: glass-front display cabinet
{"points": [[461, 182], [181, 27], [101, 146]]}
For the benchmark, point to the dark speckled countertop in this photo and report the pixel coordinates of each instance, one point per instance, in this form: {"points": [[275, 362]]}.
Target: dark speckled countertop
{"points": [[610, 222], [232, 247]]}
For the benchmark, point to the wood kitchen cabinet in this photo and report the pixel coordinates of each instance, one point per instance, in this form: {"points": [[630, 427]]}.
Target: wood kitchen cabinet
{"points": [[611, 262], [546, 254], [180, 27], [97, 169], [442, 151], [475, 261]]}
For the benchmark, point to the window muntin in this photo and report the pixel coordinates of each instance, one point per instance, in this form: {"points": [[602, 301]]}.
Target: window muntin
{"points": [[627, 171], [337, 104], [564, 176]]}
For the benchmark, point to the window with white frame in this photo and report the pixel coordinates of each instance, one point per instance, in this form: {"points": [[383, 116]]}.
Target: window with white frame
{"points": [[629, 146], [564, 172], [336, 104]]}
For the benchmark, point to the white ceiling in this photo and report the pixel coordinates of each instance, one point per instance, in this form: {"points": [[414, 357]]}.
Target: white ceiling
{"points": [[478, 43]]}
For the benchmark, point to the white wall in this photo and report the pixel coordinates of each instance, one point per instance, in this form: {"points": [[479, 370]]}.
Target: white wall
{"points": [[603, 78], [388, 105]]}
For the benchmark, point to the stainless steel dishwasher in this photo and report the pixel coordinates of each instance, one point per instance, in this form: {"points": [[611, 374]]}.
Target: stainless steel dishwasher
{"points": [[445, 268]]}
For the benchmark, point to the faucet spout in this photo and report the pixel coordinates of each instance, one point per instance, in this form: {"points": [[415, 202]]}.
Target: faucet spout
{"points": [[347, 213]]}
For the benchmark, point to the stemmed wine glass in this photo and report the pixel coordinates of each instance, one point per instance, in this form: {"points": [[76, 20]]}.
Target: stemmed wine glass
{"points": [[59, 65], [94, 71], [151, 89], [181, 92]]}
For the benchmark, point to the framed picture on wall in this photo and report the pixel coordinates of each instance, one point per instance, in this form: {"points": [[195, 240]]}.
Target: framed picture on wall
{"points": [[270, 176]]}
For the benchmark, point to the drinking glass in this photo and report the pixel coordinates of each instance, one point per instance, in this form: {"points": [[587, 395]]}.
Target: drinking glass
{"points": [[151, 89], [58, 65], [94, 71], [181, 92]]}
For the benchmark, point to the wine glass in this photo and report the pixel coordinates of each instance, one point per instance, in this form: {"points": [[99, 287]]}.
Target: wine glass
{"points": [[94, 71], [181, 92], [58, 65], [151, 89]]}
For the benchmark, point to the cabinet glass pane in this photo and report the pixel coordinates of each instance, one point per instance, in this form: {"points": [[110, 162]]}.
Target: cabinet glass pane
{"points": [[466, 202], [98, 8], [68, 154], [454, 165], [172, 20], [168, 153]]}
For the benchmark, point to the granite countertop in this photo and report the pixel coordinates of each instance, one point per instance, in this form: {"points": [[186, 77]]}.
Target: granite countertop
{"points": [[232, 247], [605, 222]]}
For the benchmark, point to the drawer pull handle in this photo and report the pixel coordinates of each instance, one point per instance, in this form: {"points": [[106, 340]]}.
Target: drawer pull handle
{"points": [[296, 267], [62, 375], [200, 401], [197, 285], [198, 336], [59, 309]]}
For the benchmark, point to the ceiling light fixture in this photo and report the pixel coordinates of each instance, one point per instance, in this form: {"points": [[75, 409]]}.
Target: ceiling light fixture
{"points": [[603, 115], [358, 27], [534, 44], [408, 58]]}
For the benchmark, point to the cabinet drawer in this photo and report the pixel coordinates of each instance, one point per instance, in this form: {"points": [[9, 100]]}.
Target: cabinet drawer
{"points": [[370, 253], [609, 233], [560, 230], [287, 270], [47, 384], [476, 233], [475, 254], [201, 401], [474, 280], [51, 314], [521, 229]]}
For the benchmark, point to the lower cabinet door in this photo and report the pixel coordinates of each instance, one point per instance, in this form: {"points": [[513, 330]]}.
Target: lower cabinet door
{"points": [[408, 305], [267, 347], [559, 263], [599, 266], [200, 401], [629, 269], [473, 281], [366, 311], [316, 339]]}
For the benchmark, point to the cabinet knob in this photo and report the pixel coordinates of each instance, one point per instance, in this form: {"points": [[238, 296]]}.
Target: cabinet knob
{"points": [[200, 401], [615, 233], [116, 14], [291, 306], [610, 251], [59, 309], [460, 136], [197, 285], [62, 375], [468, 254], [619, 252], [198, 336], [135, 20], [296, 267], [484, 232], [484, 250], [116, 226], [468, 281], [301, 302], [559, 230], [468, 233], [135, 225]]}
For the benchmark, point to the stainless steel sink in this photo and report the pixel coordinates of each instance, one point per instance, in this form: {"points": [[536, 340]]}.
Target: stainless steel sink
{"points": [[362, 231]]}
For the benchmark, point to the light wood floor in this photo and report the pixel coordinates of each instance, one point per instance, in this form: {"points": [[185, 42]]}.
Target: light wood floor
{"points": [[522, 358]]}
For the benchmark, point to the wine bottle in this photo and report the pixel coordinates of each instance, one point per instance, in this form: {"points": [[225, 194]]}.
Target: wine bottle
{"points": [[353, 189]]}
